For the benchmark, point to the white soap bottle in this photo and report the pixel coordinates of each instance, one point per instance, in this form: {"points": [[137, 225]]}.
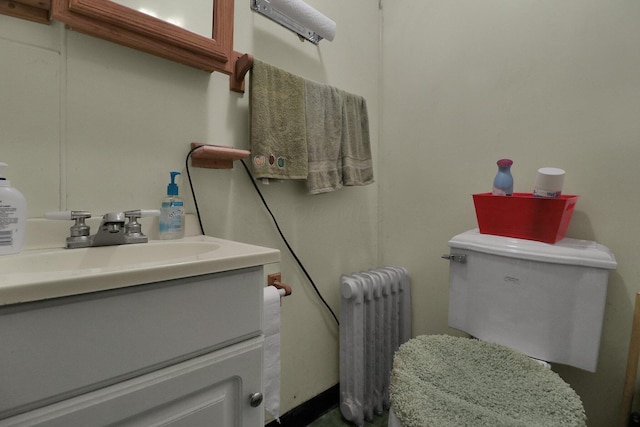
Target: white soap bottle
{"points": [[171, 225], [13, 216]]}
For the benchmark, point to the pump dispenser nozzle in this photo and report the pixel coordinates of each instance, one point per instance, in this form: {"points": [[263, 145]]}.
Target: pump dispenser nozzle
{"points": [[172, 188], [3, 181]]}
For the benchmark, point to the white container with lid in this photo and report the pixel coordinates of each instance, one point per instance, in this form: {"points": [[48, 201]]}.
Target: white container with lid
{"points": [[549, 182], [13, 216]]}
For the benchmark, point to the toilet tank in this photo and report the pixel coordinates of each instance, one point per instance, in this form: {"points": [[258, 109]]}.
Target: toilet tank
{"points": [[544, 300]]}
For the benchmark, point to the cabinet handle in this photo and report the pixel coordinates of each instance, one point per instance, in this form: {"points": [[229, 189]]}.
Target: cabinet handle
{"points": [[255, 399]]}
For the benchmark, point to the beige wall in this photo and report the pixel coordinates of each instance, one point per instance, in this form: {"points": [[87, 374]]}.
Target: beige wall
{"points": [[86, 124], [545, 83]]}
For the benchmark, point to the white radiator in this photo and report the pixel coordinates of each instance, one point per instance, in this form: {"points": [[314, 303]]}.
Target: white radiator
{"points": [[375, 318]]}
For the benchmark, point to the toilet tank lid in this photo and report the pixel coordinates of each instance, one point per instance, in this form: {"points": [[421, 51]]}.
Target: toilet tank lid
{"points": [[566, 251]]}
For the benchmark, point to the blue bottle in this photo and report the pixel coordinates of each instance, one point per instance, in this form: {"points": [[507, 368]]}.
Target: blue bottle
{"points": [[171, 224], [503, 182]]}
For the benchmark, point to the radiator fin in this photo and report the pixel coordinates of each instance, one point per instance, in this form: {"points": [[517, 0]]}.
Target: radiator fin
{"points": [[375, 319]]}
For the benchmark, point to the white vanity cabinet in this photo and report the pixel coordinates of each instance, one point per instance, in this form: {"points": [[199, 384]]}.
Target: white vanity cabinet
{"points": [[182, 352]]}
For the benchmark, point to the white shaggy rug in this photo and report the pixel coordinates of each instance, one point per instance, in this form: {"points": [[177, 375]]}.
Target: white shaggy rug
{"points": [[441, 381]]}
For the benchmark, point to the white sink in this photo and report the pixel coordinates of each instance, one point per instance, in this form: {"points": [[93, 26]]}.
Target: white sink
{"points": [[50, 273], [104, 257]]}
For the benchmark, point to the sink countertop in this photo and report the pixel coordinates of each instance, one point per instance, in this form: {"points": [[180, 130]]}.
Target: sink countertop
{"points": [[52, 272]]}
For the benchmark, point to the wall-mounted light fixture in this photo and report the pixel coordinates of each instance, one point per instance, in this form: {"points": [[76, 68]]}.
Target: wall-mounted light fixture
{"points": [[298, 17]]}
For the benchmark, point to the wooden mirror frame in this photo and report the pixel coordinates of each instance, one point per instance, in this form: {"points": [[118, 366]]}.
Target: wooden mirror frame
{"points": [[32, 10], [119, 24]]}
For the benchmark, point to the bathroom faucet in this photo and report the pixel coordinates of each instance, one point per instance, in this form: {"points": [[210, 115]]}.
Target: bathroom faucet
{"points": [[116, 228]]}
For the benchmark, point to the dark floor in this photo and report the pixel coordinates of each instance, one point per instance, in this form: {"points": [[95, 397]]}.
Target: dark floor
{"points": [[334, 418]]}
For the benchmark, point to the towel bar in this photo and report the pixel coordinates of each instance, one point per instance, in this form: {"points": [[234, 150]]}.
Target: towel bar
{"points": [[241, 67]]}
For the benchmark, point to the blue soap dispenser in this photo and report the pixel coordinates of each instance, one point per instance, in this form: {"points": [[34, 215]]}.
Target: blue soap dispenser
{"points": [[503, 182], [172, 213]]}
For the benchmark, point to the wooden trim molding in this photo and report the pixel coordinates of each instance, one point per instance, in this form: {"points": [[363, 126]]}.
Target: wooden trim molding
{"points": [[32, 10], [112, 13], [128, 27], [120, 24]]}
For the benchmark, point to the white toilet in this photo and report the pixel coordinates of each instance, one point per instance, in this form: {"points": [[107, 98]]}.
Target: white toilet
{"points": [[545, 301]]}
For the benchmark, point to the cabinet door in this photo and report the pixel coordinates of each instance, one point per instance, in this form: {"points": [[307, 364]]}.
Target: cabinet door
{"points": [[56, 349], [210, 390]]}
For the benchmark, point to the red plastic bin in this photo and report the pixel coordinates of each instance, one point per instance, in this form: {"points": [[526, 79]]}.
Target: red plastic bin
{"points": [[524, 216]]}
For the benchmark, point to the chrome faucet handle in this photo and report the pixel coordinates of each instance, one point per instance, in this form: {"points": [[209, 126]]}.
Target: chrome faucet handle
{"points": [[79, 229], [133, 226], [68, 215], [141, 213]]}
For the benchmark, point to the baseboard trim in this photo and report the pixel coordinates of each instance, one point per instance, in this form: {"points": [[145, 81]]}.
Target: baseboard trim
{"points": [[310, 410]]}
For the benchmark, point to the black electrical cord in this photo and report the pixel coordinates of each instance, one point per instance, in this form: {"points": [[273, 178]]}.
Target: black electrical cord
{"points": [[193, 193], [264, 202], [284, 239]]}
